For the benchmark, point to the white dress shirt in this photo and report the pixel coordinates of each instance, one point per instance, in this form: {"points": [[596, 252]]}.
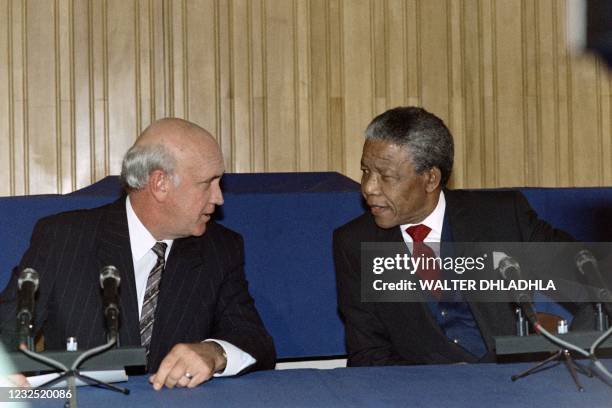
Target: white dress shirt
{"points": [[144, 259], [435, 221]]}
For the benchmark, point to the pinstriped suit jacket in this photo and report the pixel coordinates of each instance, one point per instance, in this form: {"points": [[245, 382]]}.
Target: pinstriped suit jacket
{"points": [[203, 292]]}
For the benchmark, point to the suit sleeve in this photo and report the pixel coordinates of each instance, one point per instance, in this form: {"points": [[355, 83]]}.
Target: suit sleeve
{"points": [[367, 339], [534, 229], [236, 319]]}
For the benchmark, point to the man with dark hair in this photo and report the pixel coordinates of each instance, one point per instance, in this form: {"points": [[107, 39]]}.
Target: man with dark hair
{"points": [[183, 292], [406, 163]]}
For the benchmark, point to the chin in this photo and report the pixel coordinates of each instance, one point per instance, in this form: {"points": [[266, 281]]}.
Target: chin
{"points": [[200, 231], [385, 224]]}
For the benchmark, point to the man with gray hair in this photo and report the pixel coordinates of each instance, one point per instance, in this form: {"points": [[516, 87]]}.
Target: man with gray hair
{"points": [[183, 294], [406, 163]]}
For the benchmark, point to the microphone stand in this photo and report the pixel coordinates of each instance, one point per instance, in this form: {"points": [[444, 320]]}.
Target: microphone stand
{"points": [[563, 354], [601, 318], [24, 332], [73, 373]]}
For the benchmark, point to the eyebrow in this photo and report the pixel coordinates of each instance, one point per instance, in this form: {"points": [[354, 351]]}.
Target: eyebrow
{"points": [[211, 178]]}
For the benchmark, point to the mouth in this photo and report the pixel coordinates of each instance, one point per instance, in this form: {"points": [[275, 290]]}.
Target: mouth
{"points": [[378, 209]]}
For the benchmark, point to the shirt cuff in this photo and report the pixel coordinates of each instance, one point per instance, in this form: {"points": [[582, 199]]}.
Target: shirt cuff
{"points": [[237, 360]]}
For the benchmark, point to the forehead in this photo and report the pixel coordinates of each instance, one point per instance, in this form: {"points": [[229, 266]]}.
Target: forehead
{"points": [[203, 159], [384, 153]]}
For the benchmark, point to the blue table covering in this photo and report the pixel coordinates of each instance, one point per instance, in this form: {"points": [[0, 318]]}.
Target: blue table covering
{"points": [[478, 385]]}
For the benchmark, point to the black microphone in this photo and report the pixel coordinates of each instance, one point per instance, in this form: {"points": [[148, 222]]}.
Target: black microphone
{"points": [[109, 281], [27, 285], [589, 268], [510, 270]]}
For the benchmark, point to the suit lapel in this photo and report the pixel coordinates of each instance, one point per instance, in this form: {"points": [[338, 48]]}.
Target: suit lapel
{"points": [[466, 227], [114, 249]]}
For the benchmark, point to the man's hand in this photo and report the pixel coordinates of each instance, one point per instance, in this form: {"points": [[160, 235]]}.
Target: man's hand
{"points": [[189, 365], [17, 380]]}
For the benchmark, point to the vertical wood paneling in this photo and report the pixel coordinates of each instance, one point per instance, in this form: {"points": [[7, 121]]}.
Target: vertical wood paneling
{"points": [[99, 89], [201, 80], [6, 117], [510, 91], [563, 97], [241, 90], [357, 73], [585, 127], [280, 85], [225, 125], [83, 95], [336, 87], [41, 77], [396, 58], [531, 97], [434, 81], [19, 89], [289, 85], [474, 157], [257, 47], [303, 71], [488, 78], [456, 120], [65, 97], [120, 110], [547, 90], [605, 106], [413, 51]]}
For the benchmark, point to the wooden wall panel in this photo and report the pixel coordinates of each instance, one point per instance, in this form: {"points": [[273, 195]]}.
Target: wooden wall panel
{"points": [[509, 84], [358, 73], [289, 85], [6, 114]]}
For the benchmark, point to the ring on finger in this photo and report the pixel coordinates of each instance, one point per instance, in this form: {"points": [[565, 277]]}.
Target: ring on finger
{"points": [[189, 376]]}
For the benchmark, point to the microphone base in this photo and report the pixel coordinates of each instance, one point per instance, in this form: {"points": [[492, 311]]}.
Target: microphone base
{"points": [[71, 374], [113, 359], [572, 366], [509, 345]]}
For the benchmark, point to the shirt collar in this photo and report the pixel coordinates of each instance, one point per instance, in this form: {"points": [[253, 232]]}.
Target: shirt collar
{"points": [[435, 220], [141, 240]]}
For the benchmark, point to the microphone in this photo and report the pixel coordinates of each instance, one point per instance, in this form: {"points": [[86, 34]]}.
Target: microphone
{"points": [[109, 281], [27, 285], [510, 270], [589, 268]]}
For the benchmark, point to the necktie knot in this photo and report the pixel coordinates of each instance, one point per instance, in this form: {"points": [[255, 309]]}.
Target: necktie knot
{"points": [[160, 249], [418, 232]]}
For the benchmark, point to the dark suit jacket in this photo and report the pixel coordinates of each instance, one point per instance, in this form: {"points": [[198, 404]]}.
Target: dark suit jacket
{"points": [[203, 292], [407, 333]]}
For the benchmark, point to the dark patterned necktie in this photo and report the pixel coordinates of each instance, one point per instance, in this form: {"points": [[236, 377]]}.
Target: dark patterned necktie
{"points": [[147, 315], [421, 249]]}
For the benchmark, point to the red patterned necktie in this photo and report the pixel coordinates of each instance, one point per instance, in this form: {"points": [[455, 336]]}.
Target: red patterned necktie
{"points": [[421, 250]]}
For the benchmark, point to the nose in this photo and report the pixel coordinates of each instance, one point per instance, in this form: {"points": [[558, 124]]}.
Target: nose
{"points": [[217, 195], [370, 185]]}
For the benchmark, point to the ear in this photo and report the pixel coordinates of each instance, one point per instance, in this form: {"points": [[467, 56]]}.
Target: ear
{"points": [[159, 184], [432, 179]]}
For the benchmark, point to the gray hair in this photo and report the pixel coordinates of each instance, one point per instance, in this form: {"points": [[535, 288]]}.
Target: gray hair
{"points": [[428, 140], [141, 160]]}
